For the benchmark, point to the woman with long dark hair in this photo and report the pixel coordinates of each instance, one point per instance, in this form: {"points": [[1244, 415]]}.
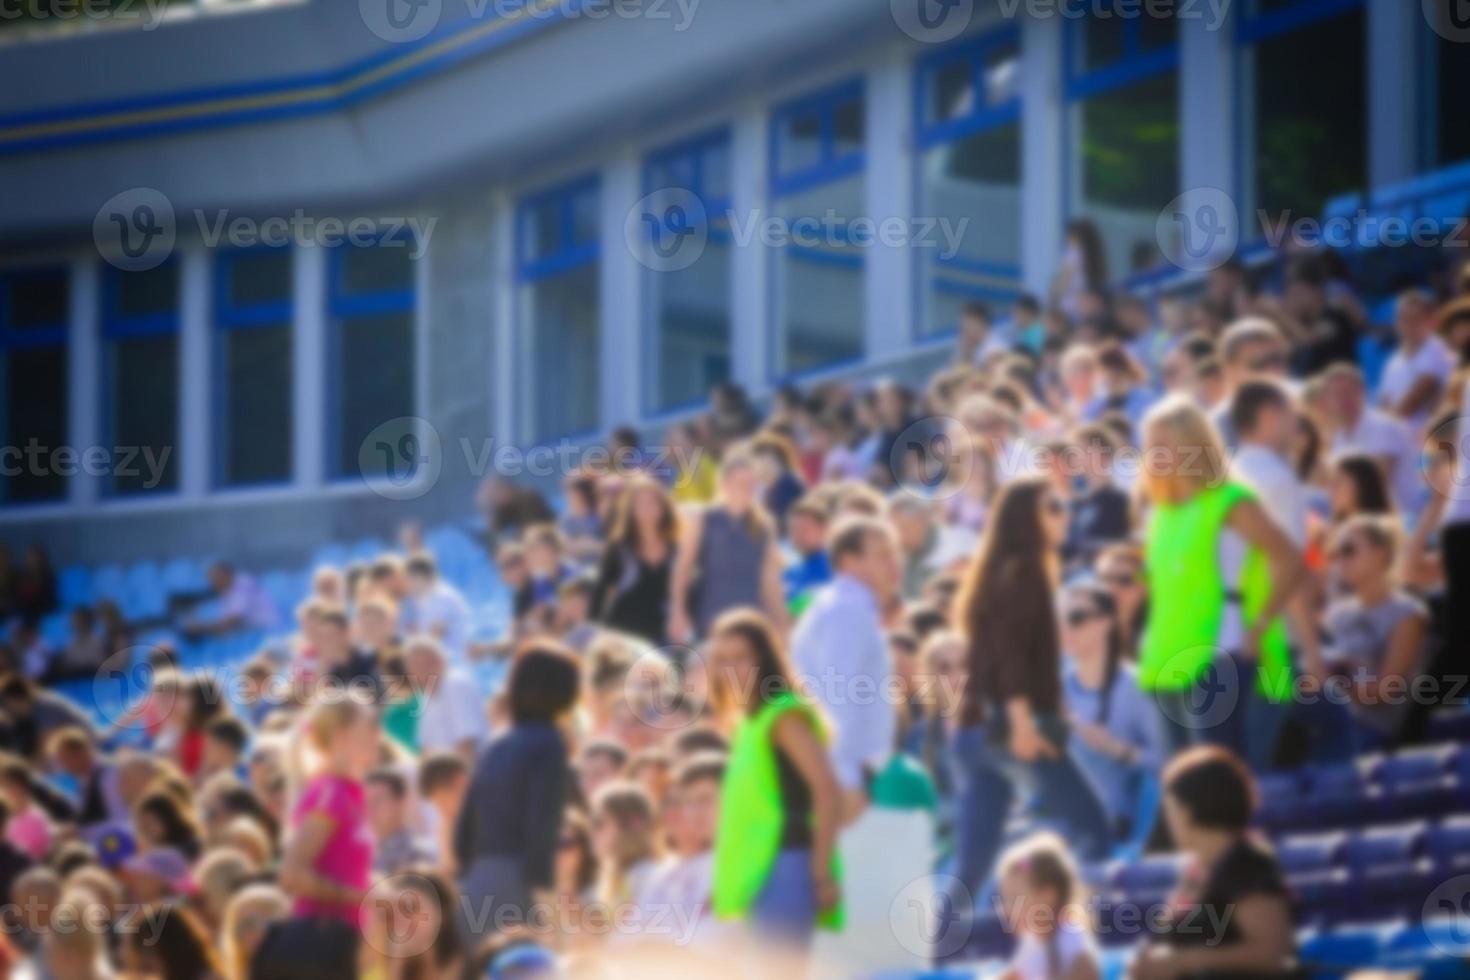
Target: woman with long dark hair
{"points": [[780, 805], [1116, 735], [632, 590], [1013, 736]]}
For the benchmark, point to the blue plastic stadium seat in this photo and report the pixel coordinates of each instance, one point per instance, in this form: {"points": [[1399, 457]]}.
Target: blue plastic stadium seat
{"points": [[1391, 874], [1450, 725], [74, 586], [1282, 795], [1422, 942], [1333, 952], [1448, 846], [1339, 795], [184, 576], [1419, 783]]}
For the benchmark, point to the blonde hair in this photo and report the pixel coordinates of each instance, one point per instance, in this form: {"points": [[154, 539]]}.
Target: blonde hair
{"points": [[271, 901], [1203, 465], [315, 732]]}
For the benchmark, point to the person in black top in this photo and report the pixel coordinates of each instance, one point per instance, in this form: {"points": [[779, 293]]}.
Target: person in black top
{"points": [[1100, 508], [1323, 334], [632, 589], [1233, 917], [509, 824]]}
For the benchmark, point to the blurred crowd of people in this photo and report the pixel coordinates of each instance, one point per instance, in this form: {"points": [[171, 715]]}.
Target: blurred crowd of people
{"points": [[1116, 542]]}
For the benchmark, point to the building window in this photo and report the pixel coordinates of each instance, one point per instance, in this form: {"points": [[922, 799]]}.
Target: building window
{"points": [[140, 331], [33, 331], [252, 367], [688, 297], [1446, 80], [1123, 122], [559, 333], [1305, 138], [371, 351], [817, 163], [969, 142]]}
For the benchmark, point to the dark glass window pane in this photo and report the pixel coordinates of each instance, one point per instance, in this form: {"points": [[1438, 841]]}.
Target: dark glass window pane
{"points": [[1130, 165], [1453, 143], [799, 143], [151, 292], [145, 413], [584, 217], [1155, 32], [717, 171], [35, 410], [1310, 132], [255, 402], [374, 380], [381, 269], [260, 276], [38, 300], [692, 328], [1002, 73], [562, 338], [541, 229], [848, 127], [953, 91], [1102, 41]]}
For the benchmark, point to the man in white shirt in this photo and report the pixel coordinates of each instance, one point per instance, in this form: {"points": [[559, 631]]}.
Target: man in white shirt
{"points": [[1365, 429], [451, 712], [841, 653], [674, 902], [437, 608], [1261, 415], [1417, 373]]}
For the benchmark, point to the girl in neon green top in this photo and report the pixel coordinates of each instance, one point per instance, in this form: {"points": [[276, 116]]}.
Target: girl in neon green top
{"points": [[780, 806], [1202, 522]]}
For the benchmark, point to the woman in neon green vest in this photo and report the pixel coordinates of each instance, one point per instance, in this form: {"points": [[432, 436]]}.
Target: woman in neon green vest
{"points": [[1215, 652], [780, 806]]}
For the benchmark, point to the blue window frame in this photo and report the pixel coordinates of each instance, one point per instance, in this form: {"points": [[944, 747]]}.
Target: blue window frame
{"points": [[141, 378], [559, 335], [33, 376], [1305, 98], [817, 162], [252, 359], [371, 351], [687, 295], [1121, 81], [967, 113]]}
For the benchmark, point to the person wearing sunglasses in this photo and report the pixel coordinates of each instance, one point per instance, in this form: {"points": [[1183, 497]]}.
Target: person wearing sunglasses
{"points": [[1012, 740], [1119, 570], [1116, 734], [1376, 647]]}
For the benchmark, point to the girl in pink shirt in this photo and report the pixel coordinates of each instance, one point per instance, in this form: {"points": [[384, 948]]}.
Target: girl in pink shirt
{"points": [[329, 851]]}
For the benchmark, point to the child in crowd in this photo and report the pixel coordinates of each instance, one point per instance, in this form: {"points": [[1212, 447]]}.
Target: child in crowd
{"points": [[1044, 909]]}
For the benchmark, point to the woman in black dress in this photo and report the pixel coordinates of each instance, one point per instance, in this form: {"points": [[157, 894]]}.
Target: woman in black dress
{"points": [[632, 591], [1233, 917]]}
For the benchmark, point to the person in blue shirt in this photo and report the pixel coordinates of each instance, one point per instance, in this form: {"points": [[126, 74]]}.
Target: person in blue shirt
{"points": [[1116, 736], [806, 525]]}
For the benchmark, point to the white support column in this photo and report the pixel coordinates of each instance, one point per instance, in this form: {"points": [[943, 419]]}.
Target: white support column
{"points": [[502, 379], [1042, 168], [84, 372], [750, 275], [620, 283], [308, 365], [195, 376], [888, 290], [1392, 106], [1208, 90]]}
